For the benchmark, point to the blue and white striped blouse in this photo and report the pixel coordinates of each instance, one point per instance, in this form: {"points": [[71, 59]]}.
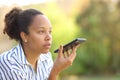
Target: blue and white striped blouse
{"points": [[14, 66]]}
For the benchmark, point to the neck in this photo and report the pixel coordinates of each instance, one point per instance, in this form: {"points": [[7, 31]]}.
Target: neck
{"points": [[31, 56]]}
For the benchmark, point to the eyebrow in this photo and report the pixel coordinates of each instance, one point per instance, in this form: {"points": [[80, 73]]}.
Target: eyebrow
{"points": [[44, 27]]}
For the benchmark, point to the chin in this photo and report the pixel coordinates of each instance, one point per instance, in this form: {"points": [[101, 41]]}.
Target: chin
{"points": [[45, 51]]}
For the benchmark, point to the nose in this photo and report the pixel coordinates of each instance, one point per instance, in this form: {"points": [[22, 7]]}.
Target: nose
{"points": [[48, 37]]}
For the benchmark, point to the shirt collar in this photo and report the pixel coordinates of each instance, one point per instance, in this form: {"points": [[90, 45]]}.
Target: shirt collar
{"points": [[22, 57], [21, 54], [45, 56]]}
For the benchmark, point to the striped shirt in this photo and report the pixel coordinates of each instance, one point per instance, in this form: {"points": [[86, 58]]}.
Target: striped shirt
{"points": [[14, 66]]}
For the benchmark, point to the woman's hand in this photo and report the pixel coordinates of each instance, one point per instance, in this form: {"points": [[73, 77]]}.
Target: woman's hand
{"points": [[63, 60]]}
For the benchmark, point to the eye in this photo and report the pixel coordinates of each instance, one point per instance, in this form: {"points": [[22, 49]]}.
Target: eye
{"points": [[41, 31]]}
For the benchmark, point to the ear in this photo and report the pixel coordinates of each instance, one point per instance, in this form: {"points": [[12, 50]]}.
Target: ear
{"points": [[23, 36]]}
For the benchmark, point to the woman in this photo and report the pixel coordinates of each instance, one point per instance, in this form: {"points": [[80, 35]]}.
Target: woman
{"points": [[31, 59]]}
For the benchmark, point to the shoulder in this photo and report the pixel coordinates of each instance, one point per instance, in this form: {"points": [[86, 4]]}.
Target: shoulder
{"points": [[5, 64], [10, 66], [6, 58]]}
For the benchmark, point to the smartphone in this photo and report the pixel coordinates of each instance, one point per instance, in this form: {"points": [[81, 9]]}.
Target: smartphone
{"points": [[71, 44]]}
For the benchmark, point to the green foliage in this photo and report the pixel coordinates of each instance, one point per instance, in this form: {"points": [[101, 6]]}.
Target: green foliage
{"points": [[100, 26]]}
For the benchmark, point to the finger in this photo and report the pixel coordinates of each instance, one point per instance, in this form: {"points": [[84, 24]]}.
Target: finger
{"points": [[75, 48], [72, 56], [60, 53], [64, 55], [68, 53], [77, 45], [73, 53]]}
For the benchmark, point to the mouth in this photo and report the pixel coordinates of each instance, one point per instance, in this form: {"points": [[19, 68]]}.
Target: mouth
{"points": [[47, 46]]}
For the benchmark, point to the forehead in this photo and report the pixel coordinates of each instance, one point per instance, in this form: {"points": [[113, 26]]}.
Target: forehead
{"points": [[41, 21]]}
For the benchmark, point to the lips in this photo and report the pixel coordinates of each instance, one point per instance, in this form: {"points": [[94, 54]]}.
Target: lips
{"points": [[47, 45]]}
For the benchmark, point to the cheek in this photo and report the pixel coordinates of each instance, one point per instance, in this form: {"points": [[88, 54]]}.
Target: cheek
{"points": [[36, 39]]}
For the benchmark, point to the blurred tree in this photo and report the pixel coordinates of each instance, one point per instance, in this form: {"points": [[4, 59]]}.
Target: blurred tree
{"points": [[100, 24]]}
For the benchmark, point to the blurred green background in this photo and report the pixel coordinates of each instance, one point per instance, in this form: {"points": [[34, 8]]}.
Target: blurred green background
{"points": [[96, 20]]}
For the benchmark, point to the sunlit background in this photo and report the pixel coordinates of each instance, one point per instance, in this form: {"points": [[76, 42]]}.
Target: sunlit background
{"points": [[22, 2], [96, 20]]}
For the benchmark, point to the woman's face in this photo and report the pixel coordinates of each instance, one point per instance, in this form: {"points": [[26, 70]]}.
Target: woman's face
{"points": [[39, 38]]}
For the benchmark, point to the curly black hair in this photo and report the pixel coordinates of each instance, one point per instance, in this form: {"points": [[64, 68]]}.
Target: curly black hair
{"points": [[18, 20]]}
